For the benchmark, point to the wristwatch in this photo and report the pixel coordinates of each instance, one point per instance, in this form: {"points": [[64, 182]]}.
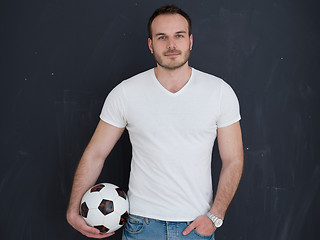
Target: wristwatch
{"points": [[217, 222]]}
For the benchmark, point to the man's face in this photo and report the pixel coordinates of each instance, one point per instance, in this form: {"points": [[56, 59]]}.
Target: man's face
{"points": [[170, 43]]}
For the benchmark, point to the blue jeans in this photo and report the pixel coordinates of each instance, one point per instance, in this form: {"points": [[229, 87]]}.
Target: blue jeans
{"points": [[150, 229]]}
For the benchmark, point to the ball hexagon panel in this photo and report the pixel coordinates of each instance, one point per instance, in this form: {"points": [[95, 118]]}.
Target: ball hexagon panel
{"points": [[95, 217], [112, 221], [121, 205], [109, 193], [92, 199]]}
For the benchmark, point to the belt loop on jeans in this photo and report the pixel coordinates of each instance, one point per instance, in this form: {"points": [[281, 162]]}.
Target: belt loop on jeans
{"points": [[146, 220]]}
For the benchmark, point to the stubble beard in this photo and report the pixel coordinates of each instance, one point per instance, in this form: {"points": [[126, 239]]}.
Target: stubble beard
{"points": [[161, 62]]}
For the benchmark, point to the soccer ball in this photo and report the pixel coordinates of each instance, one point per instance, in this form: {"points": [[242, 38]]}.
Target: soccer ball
{"points": [[105, 207]]}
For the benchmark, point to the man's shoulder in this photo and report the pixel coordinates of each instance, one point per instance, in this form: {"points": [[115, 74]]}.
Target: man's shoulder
{"points": [[207, 78], [139, 78]]}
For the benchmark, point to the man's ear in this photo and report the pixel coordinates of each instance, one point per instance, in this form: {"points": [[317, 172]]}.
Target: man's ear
{"points": [[150, 45], [191, 41]]}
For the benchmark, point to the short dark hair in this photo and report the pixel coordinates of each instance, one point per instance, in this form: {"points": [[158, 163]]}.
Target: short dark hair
{"points": [[168, 9]]}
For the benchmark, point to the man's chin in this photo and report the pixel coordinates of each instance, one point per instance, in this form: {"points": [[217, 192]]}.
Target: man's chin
{"points": [[172, 66]]}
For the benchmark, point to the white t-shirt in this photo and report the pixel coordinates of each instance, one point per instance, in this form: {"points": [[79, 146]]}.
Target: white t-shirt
{"points": [[172, 137]]}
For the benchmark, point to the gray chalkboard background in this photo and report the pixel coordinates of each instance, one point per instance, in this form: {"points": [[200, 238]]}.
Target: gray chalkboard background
{"points": [[60, 58]]}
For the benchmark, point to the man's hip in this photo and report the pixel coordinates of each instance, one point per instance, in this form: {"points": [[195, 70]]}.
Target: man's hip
{"points": [[143, 228]]}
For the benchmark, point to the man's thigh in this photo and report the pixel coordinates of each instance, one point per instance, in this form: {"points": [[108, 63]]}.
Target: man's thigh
{"points": [[142, 228]]}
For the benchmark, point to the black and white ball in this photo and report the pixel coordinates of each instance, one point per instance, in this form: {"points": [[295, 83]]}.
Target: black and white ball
{"points": [[105, 207]]}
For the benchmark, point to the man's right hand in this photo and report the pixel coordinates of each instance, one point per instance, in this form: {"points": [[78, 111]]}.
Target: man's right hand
{"points": [[78, 223]]}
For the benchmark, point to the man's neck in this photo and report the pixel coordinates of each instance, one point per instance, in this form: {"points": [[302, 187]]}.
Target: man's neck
{"points": [[173, 80]]}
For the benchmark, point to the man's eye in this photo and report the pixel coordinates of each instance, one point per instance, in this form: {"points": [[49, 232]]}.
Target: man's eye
{"points": [[179, 36], [162, 38]]}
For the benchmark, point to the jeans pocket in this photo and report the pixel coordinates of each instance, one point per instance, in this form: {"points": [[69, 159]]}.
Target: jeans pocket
{"points": [[134, 224], [203, 236]]}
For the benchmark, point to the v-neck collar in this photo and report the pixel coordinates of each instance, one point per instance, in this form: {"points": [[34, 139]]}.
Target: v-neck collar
{"points": [[166, 90]]}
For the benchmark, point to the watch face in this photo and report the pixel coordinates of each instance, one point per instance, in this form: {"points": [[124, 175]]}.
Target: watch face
{"points": [[218, 223]]}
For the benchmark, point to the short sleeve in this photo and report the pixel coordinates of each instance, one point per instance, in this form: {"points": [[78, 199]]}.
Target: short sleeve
{"points": [[229, 107], [113, 110]]}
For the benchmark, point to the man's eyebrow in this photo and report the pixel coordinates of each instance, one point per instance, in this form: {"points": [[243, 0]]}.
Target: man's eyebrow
{"points": [[162, 34]]}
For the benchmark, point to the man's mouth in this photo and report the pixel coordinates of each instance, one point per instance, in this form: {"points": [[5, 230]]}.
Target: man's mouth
{"points": [[172, 54]]}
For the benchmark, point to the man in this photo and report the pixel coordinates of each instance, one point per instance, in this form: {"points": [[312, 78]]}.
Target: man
{"points": [[173, 114]]}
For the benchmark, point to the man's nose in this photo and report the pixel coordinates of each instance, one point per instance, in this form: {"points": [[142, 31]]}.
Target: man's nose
{"points": [[171, 44]]}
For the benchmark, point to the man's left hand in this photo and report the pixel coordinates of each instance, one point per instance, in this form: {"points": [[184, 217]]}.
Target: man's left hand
{"points": [[202, 225]]}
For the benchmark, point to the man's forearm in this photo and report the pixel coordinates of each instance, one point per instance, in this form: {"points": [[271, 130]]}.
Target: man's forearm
{"points": [[86, 175], [229, 180], [228, 183]]}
